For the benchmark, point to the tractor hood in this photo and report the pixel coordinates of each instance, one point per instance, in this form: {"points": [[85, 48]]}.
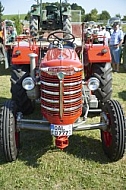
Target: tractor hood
{"points": [[61, 57]]}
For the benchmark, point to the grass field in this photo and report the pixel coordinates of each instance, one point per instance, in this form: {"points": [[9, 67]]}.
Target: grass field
{"points": [[83, 165]]}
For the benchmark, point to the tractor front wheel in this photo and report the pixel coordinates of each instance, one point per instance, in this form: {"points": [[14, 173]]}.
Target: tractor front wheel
{"points": [[9, 135], [114, 137]]}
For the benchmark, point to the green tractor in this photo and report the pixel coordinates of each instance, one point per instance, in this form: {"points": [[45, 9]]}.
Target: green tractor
{"points": [[50, 19]]}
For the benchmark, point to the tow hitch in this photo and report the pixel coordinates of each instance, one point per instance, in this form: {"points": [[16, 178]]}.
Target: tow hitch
{"points": [[61, 142]]}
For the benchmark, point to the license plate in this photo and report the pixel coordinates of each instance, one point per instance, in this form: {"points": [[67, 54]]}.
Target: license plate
{"points": [[61, 130]]}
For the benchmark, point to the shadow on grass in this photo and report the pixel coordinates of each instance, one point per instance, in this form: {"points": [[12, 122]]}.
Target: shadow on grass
{"points": [[2, 100], [87, 148], [122, 95], [122, 68], [34, 144], [4, 71]]}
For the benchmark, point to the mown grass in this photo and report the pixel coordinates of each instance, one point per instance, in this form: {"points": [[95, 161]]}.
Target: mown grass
{"points": [[83, 165]]}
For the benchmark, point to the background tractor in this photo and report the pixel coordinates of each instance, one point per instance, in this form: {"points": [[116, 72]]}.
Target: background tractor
{"points": [[68, 81], [53, 18]]}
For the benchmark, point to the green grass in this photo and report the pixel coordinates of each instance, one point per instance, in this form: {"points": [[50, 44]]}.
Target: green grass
{"points": [[82, 165]]}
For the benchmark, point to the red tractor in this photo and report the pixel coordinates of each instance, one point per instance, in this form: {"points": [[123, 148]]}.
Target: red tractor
{"points": [[68, 82]]}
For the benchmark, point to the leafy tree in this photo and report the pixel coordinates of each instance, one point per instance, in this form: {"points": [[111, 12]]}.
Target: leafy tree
{"points": [[27, 17], [18, 24], [94, 15], [118, 15], [74, 6], [1, 10], [124, 18], [87, 17], [104, 15]]}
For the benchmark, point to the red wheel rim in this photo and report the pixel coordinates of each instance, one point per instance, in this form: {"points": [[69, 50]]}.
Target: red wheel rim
{"points": [[107, 135], [107, 138]]}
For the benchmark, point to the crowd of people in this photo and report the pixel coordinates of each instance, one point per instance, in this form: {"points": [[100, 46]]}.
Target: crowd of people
{"points": [[11, 34], [111, 36]]}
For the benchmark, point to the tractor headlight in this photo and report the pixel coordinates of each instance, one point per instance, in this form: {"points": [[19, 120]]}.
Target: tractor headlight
{"points": [[28, 83], [93, 83]]}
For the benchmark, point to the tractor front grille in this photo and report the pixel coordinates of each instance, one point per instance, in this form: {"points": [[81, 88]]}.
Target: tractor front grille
{"points": [[61, 100]]}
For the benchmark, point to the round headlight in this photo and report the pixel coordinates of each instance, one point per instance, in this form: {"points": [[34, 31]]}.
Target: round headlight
{"points": [[93, 83], [28, 83]]}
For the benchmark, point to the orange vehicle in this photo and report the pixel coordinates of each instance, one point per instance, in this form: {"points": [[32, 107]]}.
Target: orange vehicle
{"points": [[68, 81], [68, 89]]}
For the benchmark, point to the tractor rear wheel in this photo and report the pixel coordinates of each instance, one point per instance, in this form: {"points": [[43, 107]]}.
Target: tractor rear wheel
{"points": [[19, 95], [9, 135], [103, 71], [67, 26], [114, 137], [34, 25]]}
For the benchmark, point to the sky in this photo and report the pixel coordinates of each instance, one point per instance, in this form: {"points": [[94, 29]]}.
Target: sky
{"points": [[112, 6]]}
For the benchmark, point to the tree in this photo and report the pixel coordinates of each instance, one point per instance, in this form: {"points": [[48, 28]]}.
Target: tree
{"points": [[87, 17], [27, 17], [104, 15], [74, 6], [18, 24], [94, 15], [124, 18], [118, 15], [1, 10]]}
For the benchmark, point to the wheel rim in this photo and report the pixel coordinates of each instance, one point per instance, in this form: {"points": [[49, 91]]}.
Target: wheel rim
{"points": [[107, 134], [107, 138], [17, 139]]}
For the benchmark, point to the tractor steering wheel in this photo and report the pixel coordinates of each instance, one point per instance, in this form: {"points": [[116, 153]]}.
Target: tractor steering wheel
{"points": [[54, 36]]}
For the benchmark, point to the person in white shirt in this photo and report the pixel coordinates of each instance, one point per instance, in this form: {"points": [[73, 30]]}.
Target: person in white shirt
{"points": [[105, 34]]}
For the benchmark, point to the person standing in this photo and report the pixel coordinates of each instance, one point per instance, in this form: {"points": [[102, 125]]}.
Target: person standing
{"points": [[124, 52], [1, 34], [104, 36], [116, 41]]}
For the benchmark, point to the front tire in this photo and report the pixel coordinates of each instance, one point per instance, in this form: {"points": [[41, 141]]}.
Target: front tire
{"points": [[9, 135], [114, 138]]}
